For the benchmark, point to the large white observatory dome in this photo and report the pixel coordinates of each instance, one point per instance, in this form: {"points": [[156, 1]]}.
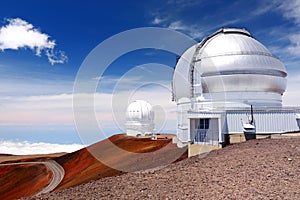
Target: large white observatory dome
{"points": [[140, 118], [230, 68]]}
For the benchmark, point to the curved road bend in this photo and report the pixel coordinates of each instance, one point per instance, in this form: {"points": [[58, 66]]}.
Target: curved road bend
{"points": [[57, 170]]}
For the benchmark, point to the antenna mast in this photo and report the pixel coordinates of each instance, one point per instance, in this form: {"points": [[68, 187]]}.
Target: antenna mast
{"points": [[252, 119]]}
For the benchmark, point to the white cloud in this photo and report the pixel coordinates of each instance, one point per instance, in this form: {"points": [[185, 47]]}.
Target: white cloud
{"points": [[295, 47], [291, 10], [191, 30], [57, 110], [157, 21], [263, 7], [20, 34], [291, 96], [47, 110], [123, 83], [28, 148], [177, 25], [58, 57], [36, 110], [196, 31], [173, 23], [181, 4]]}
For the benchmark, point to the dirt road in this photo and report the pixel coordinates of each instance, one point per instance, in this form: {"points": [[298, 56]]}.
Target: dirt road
{"points": [[57, 170]]}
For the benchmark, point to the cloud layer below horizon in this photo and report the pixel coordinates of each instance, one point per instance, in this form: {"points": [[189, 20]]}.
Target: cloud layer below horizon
{"points": [[29, 148]]}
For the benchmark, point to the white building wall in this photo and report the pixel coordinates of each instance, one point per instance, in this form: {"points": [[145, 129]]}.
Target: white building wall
{"points": [[231, 122], [138, 128], [183, 121], [265, 121]]}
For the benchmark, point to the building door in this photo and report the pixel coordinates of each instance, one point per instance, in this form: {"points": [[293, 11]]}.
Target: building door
{"points": [[201, 128], [298, 122]]}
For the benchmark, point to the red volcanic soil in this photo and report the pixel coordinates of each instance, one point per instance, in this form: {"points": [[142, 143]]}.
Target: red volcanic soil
{"points": [[4, 154], [104, 159], [7, 158], [114, 156], [257, 169], [22, 180]]}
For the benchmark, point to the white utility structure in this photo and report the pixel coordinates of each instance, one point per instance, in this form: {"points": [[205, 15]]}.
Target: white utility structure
{"points": [[217, 80], [140, 119]]}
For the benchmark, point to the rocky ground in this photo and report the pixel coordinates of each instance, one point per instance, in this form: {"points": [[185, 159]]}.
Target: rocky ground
{"points": [[257, 169]]}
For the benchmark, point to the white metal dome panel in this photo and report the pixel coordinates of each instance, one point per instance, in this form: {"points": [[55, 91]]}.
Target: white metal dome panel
{"points": [[229, 61], [228, 44], [140, 118], [181, 84], [140, 110]]}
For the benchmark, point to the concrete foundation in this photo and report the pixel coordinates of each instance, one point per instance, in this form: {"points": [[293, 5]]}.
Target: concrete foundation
{"points": [[197, 149]]}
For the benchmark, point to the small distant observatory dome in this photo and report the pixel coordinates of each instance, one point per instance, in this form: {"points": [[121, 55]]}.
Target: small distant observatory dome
{"points": [[232, 68], [140, 118]]}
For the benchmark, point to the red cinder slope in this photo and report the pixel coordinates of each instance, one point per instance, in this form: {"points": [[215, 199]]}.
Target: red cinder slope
{"points": [[22, 180], [81, 166]]}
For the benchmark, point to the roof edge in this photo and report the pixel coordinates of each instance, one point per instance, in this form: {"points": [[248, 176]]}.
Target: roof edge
{"points": [[236, 30], [242, 31]]}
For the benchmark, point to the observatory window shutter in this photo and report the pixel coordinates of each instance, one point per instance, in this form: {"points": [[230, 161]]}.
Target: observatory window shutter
{"points": [[201, 123], [204, 124]]}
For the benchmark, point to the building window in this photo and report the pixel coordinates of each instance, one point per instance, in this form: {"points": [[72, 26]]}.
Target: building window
{"points": [[202, 124]]}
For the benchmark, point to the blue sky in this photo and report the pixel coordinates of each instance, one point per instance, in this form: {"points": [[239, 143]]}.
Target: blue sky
{"points": [[37, 76]]}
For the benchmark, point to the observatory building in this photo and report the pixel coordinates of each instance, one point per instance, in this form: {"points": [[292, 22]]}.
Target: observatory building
{"points": [[217, 80], [140, 119]]}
